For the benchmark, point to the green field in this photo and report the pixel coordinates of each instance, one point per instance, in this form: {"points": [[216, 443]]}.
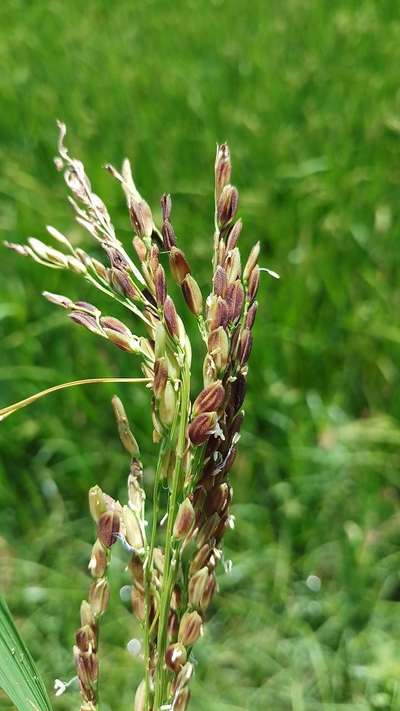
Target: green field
{"points": [[307, 93]]}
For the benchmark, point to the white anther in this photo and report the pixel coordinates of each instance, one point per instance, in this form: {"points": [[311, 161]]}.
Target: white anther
{"points": [[270, 272], [217, 432], [61, 686], [124, 542]]}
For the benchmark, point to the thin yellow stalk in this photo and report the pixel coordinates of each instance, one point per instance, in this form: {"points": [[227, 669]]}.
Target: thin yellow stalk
{"points": [[10, 409]]}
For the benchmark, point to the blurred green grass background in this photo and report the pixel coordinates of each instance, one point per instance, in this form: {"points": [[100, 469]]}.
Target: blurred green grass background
{"points": [[308, 96]]}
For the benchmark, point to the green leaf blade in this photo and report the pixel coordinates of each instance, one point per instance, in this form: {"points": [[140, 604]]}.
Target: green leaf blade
{"points": [[19, 677]]}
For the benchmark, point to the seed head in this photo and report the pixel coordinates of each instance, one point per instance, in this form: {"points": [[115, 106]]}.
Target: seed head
{"points": [[181, 699], [184, 519], [98, 560], [160, 376], [135, 492], [192, 294], [167, 405], [209, 370], [218, 347], [220, 281], [166, 205], [191, 628], [100, 269], [178, 264], [117, 258], [175, 657], [138, 603], [232, 265], [140, 697], [218, 314], [97, 503], [251, 262], [196, 586], [124, 284], [210, 399], [133, 530], [108, 527], [160, 340], [222, 168], [200, 559], [85, 639], [141, 217], [140, 248], [99, 596], [87, 706], [168, 234], [227, 205], [208, 592], [170, 317], [201, 427], [86, 614], [160, 286], [75, 265], [251, 315], [154, 258], [125, 434], [246, 344], [114, 324], [208, 530], [254, 281], [234, 235], [235, 299], [87, 321], [58, 300], [183, 677], [217, 499], [221, 252], [87, 667], [238, 392]]}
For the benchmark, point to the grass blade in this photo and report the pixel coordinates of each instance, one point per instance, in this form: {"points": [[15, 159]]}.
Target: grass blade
{"points": [[19, 677]]}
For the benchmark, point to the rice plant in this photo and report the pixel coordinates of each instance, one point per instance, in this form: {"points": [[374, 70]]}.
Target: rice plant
{"points": [[174, 547]]}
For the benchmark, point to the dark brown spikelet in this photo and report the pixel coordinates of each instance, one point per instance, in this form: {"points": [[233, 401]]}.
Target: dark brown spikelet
{"points": [[246, 344], [200, 428], [166, 205], [254, 282], [251, 315], [160, 286], [227, 205], [108, 528], [223, 168], [234, 235], [235, 299], [252, 261], [124, 284], [168, 234], [87, 321], [220, 281], [192, 295], [210, 399], [178, 264], [170, 317]]}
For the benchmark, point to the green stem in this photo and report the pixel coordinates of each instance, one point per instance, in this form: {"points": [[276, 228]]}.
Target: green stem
{"points": [[170, 564], [149, 570]]}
